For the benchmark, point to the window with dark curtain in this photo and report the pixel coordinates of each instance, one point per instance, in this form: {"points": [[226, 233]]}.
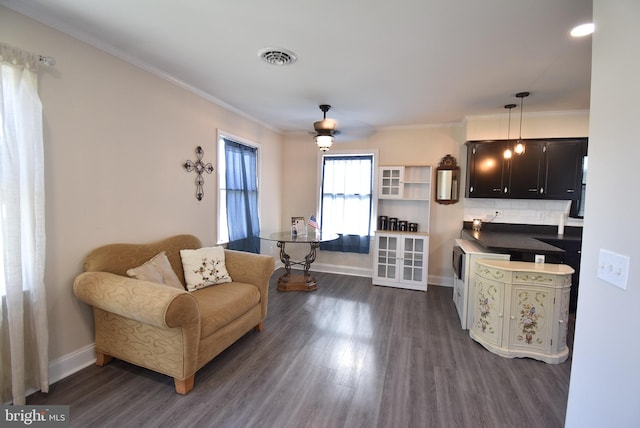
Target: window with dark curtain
{"points": [[241, 175], [346, 202]]}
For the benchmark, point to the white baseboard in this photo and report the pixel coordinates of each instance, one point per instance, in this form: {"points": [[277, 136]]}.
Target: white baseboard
{"points": [[343, 269], [443, 281], [71, 363], [331, 268]]}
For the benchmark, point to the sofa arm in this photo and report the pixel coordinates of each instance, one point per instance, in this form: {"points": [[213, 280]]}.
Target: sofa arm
{"points": [[250, 268], [143, 301]]}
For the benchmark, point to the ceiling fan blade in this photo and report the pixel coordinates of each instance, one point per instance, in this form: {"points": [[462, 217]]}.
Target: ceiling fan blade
{"points": [[353, 130], [324, 125]]}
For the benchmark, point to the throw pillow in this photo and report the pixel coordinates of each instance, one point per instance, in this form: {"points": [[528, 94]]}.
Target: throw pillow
{"points": [[204, 267], [158, 270]]}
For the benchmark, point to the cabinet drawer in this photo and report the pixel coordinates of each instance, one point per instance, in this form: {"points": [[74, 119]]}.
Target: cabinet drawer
{"points": [[494, 274], [541, 279]]}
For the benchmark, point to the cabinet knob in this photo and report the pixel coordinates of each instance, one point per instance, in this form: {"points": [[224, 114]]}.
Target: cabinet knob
{"points": [[513, 317], [561, 321], [500, 315]]}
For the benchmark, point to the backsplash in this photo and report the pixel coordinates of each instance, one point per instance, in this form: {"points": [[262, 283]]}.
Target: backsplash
{"points": [[519, 211]]}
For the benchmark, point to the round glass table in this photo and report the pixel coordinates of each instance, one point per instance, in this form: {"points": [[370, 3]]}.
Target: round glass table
{"points": [[304, 282]]}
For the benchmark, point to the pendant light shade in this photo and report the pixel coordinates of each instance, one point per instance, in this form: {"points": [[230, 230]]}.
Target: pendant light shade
{"points": [[520, 146], [324, 142]]}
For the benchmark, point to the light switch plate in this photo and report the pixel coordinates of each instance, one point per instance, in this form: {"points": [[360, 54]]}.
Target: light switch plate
{"points": [[613, 268]]}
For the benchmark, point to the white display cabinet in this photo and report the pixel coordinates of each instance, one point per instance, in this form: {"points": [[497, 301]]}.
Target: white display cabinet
{"points": [[401, 256]]}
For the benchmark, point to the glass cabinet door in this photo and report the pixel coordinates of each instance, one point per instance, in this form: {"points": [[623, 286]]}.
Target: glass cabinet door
{"points": [[387, 256], [413, 259], [391, 182]]}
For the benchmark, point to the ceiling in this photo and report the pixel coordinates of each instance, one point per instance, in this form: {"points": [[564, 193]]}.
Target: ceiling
{"points": [[378, 63]]}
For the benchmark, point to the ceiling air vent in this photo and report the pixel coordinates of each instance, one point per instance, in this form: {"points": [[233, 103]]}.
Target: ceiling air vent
{"points": [[277, 56]]}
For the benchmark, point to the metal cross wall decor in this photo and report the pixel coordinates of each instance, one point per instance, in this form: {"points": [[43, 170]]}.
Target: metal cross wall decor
{"points": [[199, 167]]}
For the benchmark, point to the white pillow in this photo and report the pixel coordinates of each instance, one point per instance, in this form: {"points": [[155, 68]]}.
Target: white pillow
{"points": [[204, 267], [158, 270]]}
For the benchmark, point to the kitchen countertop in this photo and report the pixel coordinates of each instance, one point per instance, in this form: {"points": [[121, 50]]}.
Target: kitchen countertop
{"points": [[501, 237]]}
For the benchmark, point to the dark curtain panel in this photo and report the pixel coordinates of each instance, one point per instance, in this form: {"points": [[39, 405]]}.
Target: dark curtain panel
{"points": [[348, 244], [242, 197], [346, 202]]}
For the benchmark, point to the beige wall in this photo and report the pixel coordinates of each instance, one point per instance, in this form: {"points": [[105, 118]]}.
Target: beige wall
{"points": [[534, 125], [115, 141]]}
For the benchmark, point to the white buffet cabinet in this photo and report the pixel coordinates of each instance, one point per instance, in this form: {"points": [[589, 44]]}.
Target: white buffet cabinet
{"points": [[521, 309]]}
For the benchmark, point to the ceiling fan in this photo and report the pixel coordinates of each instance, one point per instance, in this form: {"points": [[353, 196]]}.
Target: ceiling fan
{"points": [[325, 129]]}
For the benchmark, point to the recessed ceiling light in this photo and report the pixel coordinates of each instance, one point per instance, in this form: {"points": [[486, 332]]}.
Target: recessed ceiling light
{"points": [[277, 56], [582, 30]]}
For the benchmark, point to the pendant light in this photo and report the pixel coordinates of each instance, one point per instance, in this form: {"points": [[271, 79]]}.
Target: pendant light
{"points": [[507, 153], [520, 147]]}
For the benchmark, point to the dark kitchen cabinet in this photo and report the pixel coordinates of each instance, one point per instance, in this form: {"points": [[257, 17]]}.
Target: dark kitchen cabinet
{"points": [[564, 169], [548, 169], [488, 173], [527, 171], [572, 256]]}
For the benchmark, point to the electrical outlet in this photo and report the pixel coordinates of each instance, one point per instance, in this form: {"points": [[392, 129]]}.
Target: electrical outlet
{"points": [[539, 258], [613, 268], [498, 213]]}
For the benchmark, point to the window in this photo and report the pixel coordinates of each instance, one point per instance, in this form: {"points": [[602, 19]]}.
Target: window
{"points": [[346, 201], [238, 223]]}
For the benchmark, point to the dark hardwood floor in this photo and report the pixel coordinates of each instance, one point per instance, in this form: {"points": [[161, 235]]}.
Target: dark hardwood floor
{"points": [[347, 355]]}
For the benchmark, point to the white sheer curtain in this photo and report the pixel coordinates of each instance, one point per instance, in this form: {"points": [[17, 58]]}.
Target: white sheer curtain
{"points": [[346, 194], [24, 334]]}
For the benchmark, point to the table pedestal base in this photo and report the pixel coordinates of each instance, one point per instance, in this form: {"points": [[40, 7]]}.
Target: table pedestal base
{"points": [[304, 282], [288, 282]]}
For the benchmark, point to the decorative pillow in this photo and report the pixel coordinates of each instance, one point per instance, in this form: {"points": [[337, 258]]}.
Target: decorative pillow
{"points": [[204, 267], [158, 269]]}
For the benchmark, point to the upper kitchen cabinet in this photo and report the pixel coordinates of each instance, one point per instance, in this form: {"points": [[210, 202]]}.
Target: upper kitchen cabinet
{"points": [[488, 170], [548, 169], [564, 168], [527, 171]]}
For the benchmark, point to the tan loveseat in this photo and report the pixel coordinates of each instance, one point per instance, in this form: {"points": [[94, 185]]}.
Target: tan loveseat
{"points": [[171, 331]]}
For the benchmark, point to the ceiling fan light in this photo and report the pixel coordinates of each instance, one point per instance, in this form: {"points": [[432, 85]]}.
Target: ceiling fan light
{"points": [[324, 142]]}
